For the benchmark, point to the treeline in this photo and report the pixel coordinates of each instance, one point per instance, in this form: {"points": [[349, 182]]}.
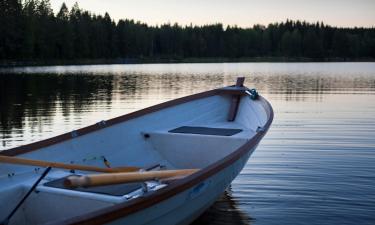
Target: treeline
{"points": [[29, 30]]}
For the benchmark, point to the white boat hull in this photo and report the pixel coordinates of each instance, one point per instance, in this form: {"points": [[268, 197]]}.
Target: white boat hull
{"points": [[185, 207], [142, 139]]}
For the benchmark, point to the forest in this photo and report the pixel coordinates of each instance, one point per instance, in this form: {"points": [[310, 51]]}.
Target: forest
{"points": [[31, 31]]}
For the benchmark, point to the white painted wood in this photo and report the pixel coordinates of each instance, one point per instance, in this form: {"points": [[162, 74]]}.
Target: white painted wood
{"points": [[124, 144], [192, 150]]}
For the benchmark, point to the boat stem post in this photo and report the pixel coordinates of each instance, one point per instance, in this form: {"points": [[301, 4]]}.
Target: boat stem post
{"points": [[235, 101]]}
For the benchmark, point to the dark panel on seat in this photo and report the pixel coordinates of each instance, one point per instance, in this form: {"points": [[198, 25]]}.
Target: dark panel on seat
{"points": [[206, 131], [116, 190]]}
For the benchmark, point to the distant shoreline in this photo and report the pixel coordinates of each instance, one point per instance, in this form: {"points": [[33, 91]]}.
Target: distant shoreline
{"points": [[15, 63]]}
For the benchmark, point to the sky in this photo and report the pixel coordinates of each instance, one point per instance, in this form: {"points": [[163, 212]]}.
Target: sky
{"points": [[243, 13]]}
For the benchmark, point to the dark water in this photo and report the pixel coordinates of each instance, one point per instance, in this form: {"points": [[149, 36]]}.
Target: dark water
{"points": [[315, 166]]}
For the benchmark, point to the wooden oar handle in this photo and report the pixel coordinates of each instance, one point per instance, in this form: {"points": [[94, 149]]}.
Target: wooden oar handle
{"points": [[119, 178], [32, 162]]}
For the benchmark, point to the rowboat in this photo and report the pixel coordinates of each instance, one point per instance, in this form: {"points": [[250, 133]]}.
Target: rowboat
{"points": [[165, 164]]}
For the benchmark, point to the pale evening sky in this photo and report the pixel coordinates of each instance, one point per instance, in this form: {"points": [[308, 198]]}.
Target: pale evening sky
{"points": [[244, 13]]}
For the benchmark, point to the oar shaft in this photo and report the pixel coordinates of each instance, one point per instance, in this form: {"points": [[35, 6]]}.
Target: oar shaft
{"points": [[119, 178], [32, 162]]}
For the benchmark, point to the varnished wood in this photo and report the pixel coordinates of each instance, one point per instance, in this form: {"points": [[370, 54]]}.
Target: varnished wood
{"points": [[86, 130], [235, 101], [121, 178], [112, 213], [177, 186], [40, 163]]}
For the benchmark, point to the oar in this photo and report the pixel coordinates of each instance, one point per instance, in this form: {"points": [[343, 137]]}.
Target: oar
{"points": [[32, 162], [120, 178]]}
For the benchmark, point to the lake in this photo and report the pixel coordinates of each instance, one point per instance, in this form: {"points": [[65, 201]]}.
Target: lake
{"points": [[316, 165]]}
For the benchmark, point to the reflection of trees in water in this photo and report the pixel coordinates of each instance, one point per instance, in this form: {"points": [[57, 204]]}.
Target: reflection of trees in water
{"points": [[300, 87], [161, 86], [296, 87], [32, 97], [31, 100], [40, 96], [223, 212]]}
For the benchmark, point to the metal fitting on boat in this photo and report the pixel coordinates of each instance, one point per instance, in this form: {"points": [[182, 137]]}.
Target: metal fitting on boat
{"points": [[101, 123], [146, 135], [253, 94], [144, 187], [260, 129], [74, 133], [10, 175]]}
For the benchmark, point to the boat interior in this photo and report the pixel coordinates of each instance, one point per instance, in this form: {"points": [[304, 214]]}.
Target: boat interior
{"points": [[191, 135]]}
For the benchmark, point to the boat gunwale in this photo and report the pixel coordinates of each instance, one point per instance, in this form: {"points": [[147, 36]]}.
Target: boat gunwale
{"points": [[112, 213], [103, 124]]}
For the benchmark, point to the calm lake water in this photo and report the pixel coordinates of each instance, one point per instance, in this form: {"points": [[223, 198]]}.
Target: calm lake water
{"points": [[315, 166]]}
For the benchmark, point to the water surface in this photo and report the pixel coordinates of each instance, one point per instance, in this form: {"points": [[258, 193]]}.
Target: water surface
{"points": [[315, 166]]}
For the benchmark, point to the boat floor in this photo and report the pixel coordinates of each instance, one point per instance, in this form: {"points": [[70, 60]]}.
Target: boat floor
{"points": [[115, 190]]}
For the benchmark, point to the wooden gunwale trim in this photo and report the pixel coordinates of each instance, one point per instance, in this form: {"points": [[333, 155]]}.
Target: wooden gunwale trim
{"points": [[117, 211], [94, 127]]}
